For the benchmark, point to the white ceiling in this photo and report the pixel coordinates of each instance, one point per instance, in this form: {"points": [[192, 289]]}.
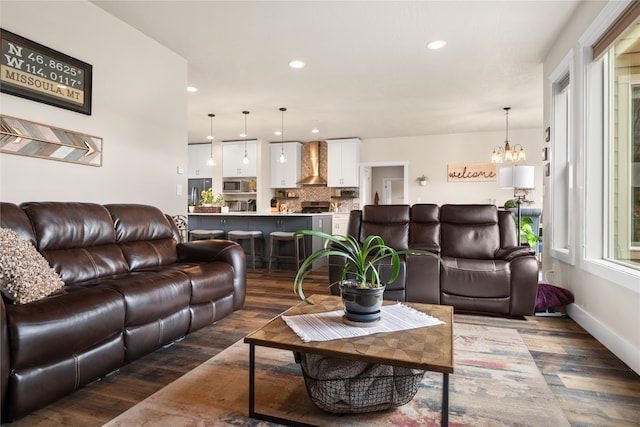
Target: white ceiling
{"points": [[368, 73]]}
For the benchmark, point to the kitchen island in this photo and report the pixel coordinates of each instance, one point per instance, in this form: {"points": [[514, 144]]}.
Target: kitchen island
{"points": [[267, 223]]}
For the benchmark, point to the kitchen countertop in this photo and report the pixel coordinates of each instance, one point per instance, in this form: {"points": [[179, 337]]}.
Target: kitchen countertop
{"points": [[274, 214]]}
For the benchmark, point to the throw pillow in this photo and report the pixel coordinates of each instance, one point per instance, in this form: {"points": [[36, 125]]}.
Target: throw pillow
{"points": [[25, 275]]}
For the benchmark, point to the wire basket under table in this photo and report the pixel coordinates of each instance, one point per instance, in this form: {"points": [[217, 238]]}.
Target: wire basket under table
{"points": [[373, 388]]}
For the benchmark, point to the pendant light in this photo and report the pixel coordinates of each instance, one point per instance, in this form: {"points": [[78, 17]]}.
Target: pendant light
{"points": [[283, 158], [211, 161], [515, 155], [245, 159]]}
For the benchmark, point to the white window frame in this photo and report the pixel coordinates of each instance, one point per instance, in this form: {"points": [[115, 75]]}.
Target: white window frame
{"points": [[561, 215], [594, 155]]}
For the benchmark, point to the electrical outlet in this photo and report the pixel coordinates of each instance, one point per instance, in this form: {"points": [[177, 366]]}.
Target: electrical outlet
{"points": [[178, 189]]}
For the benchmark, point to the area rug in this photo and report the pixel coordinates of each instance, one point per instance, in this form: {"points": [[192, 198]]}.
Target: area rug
{"points": [[496, 383]]}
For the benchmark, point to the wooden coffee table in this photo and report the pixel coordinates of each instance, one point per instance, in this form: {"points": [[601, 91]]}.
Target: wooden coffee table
{"points": [[390, 348]]}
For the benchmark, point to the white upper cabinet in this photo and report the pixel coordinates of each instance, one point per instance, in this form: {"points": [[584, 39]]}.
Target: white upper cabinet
{"points": [[232, 156], [343, 160], [198, 157], [285, 175]]}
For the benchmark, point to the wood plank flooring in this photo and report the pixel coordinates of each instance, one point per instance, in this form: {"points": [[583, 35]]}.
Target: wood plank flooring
{"points": [[590, 384]]}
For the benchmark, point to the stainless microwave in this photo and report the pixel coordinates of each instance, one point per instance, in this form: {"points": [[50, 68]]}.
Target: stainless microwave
{"points": [[235, 186]]}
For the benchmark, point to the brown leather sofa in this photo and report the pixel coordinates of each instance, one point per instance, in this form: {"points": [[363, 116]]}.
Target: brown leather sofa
{"points": [[130, 288], [482, 270]]}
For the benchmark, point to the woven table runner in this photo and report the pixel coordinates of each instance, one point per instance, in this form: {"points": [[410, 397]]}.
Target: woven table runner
{"points": [[330, 325]]}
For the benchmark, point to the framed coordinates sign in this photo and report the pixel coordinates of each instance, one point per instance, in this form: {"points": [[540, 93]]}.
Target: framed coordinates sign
{"points": [[33, 71]]}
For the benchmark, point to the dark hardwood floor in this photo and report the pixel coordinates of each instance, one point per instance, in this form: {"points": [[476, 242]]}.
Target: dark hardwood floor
{"points": [[591, 385]]}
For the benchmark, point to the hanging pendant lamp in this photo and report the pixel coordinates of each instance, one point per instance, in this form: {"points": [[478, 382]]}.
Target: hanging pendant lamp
{"points": [[283, 158], [245, 159], [211, 161]]}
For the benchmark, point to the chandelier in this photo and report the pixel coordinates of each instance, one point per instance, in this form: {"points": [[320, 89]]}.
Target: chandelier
{"points": [[514, 155]]}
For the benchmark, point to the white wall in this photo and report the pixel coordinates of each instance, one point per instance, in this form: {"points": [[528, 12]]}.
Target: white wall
{"points": [[139, 109], [608, 310], [429, 155]]}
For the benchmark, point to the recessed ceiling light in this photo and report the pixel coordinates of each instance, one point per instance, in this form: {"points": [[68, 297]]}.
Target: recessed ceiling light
{"points": [[277, 132], [210, 137], [315, 131], [243, 135], [436, 44], [192, 89], [296, 63]]}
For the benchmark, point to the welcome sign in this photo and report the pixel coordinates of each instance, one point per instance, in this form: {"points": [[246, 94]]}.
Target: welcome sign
{"points": [[464, 172]]}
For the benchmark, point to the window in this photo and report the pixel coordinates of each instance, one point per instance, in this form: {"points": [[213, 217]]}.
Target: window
{"points": [[561, 174], [607, 115], [623, 188]]}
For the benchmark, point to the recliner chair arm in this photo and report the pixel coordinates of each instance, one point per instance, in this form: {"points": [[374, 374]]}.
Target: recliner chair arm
{"points": [[511, 253]]}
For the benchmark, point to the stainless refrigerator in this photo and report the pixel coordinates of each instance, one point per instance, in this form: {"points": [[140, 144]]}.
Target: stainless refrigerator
{"points": [[196, 187]]}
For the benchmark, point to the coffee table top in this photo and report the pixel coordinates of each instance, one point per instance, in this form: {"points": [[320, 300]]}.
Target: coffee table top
{"points": [[429, 348]]}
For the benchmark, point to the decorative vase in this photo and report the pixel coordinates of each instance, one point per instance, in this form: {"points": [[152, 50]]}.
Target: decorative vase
{"points": [[361, 305]]}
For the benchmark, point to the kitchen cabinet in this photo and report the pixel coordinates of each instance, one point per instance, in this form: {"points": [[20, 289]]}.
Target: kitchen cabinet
{"points": [[285, 175], [343, 159], [268, 223], [232, 155], [198, 156], [340, 223]]}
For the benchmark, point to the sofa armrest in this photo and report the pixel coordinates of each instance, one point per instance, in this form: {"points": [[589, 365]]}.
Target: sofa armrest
{"points": [[221, 251], [511, 253], [206, 250]]}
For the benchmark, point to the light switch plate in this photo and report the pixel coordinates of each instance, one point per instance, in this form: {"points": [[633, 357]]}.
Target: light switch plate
{"points": [[180, 170], [178, 189]]}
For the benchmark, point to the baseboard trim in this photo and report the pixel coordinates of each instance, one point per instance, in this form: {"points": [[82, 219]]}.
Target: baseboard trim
{"points": [[619, 346]]}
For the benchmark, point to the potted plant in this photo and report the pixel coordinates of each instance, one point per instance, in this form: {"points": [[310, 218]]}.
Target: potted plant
{"points": [[526, 231], [360, 284], [206, 197], [210, 203], [511, 204]]}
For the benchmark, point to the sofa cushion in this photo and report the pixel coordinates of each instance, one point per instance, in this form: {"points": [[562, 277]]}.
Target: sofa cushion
{"points": [[77, 239], [13, 217], [475, 278], [469, 231], [67, 225], [144, 234], [151, 295], [391, 222], [59, 325], [424, 233], [210, 281], [25, 276]]}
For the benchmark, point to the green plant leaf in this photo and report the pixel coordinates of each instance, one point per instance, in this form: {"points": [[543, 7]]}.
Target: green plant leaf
{"points": [[362, 261]]}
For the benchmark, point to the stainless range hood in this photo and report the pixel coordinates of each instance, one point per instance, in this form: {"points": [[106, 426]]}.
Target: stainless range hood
{"points": [[314, 160]]}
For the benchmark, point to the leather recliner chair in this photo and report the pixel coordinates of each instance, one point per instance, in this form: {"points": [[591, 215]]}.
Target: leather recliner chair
{"points": [[481, 267]]}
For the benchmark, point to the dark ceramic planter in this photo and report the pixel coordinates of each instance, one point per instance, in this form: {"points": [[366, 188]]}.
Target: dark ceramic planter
{"points": [[361, 305]]}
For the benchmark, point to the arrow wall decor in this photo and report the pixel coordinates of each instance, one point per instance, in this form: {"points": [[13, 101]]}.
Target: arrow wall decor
{"points": [[26, 138]]}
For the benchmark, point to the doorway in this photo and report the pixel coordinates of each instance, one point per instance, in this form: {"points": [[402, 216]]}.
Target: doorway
{"points": [[386, 180]]}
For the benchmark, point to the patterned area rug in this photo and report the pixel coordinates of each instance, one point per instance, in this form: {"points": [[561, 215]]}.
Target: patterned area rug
{"points": [[496, 383]]}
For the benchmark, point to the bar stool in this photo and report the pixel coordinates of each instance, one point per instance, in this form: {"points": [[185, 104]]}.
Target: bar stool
{"points": [[252, 236], [280, 236], [206, 234]]}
